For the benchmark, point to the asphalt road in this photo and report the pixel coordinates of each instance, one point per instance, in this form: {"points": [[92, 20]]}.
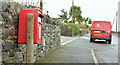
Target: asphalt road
{"points": [[119, 50], [79, 51], [105, 53]]}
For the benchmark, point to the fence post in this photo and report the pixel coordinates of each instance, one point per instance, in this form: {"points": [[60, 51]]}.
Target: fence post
{"points": [[30, 38]]}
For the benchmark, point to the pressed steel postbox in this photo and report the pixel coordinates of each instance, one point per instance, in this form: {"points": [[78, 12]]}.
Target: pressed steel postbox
{"points": [[22, 30]]}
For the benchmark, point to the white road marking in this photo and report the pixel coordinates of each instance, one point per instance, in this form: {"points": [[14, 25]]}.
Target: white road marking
{"points": [[69, 41], [94, 57], [85, 37]]}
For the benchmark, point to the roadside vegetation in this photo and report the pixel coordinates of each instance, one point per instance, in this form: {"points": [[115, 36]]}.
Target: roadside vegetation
{"points": [[75, 20], [76, 15], [73, 26]]}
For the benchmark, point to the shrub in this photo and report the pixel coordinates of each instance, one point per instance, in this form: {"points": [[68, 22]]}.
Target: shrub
{"points": [[65, 20]]}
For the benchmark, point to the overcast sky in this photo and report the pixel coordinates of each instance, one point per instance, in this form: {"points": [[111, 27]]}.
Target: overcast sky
{"points": [[102, 10], [95, 9]]}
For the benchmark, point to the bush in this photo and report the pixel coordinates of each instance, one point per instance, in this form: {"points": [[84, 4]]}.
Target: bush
{"points": [[65, 20], [63, 23], [75, 27]]}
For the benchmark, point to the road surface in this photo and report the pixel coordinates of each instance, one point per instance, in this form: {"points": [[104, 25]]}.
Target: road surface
{"points": [[79, 51]]}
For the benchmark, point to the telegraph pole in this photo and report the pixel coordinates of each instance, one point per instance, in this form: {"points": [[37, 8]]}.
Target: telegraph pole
{"points": [[116, 21], [72, 11], [41, 5]]}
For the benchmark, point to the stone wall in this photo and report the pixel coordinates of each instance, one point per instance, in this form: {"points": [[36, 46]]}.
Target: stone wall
{"points": [[12, 52], [66, 31], [83, 32]]}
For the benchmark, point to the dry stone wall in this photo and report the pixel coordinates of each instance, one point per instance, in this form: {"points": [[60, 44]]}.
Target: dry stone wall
{"points": [[12, 52]]}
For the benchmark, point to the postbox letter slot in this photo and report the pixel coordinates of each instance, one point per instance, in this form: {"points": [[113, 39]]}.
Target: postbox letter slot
{"points": [[41, 16]]}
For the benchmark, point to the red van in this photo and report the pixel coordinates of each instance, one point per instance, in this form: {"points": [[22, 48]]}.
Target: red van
{"points": [[101, 30]]}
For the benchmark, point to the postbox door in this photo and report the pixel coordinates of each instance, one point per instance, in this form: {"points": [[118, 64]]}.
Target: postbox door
{"points": [[23, 26]]}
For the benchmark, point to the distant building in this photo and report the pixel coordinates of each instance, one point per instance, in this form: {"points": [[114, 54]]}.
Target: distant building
{"points": [[118, 16]]}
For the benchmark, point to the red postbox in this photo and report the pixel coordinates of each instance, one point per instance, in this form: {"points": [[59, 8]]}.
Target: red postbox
{"points": [[22, 30]]}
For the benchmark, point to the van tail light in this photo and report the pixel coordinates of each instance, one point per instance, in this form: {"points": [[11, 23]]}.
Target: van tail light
{"points": [[91, 28]]}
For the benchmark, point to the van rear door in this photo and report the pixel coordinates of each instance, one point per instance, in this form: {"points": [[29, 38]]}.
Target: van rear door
{"points": [[101, 28]]}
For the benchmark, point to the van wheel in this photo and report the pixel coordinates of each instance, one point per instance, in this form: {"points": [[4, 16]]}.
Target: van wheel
{"points": [[108, 41], [91, 40]]}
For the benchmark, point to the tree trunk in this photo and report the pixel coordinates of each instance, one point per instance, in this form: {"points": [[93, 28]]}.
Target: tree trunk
{"points": [[74, 20], [79, 24]]}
